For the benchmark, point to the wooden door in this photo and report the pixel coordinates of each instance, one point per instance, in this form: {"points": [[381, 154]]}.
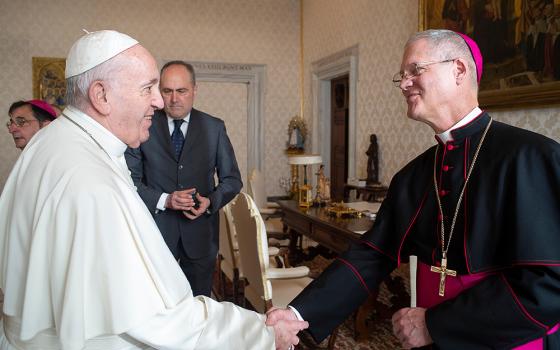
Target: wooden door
{"points": [[339, 136]]}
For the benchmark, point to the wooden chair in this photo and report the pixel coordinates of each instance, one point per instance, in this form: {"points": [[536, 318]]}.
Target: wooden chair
{"points": [[270, 211], [266, 285], [257, 191], [228, 259]]}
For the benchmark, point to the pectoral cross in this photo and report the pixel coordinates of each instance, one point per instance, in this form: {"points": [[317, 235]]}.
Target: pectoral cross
{"points": [[444, 272]]}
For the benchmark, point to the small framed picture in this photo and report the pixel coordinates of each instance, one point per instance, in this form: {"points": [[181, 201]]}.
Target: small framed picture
{"points": [[48, 80]]}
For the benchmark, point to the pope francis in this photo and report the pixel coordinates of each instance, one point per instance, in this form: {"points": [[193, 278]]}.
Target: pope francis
{"points": [[82, 263]]}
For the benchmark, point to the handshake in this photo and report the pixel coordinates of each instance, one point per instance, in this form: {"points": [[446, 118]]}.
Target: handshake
{"points": [[286, 327], [409, 326]]}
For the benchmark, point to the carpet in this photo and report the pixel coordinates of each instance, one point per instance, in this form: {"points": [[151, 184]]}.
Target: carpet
{"points": [[393, 295]]}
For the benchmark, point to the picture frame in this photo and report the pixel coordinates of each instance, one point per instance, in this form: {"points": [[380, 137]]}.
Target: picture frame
{"points": [[519, 41], [49, 83]]}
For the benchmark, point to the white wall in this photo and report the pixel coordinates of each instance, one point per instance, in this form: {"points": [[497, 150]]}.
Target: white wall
{"points": [[247, 31], [236, 31], [380, 28]]}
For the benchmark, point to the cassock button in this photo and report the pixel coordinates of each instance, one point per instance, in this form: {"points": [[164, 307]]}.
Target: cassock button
{"points": [[445, 168], [450, 147], [443, 193]]}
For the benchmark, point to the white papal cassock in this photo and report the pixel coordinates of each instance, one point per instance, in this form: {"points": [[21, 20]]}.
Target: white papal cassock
{"points": [[83, 265]]}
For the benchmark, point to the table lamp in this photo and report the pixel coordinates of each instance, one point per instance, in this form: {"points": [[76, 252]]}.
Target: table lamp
{"points": [[303, 191]]}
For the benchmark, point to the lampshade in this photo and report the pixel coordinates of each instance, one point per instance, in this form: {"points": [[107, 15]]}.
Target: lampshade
{"points": [[305, 159]]}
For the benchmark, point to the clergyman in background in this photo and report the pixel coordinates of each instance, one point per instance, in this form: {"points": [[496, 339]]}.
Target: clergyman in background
{"points": [[27, 118]]}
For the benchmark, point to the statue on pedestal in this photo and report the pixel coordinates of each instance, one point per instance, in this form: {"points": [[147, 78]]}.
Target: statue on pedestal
{"points": [[373, 162], [297, 133], [323, 186]]}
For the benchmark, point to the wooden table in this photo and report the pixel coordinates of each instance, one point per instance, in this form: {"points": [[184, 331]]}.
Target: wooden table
{"points": [[335, 234], [367, 193], [331, 232]]}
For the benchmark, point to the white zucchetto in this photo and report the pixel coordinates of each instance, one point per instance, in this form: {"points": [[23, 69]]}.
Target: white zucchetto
{"points": [[95, 48]]}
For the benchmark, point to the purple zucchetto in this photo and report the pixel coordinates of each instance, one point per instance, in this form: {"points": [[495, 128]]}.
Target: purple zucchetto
{"points": [[44, 106], [475, 52]]}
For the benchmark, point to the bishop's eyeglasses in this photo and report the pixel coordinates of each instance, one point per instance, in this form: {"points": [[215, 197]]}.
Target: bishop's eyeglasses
{"points": [[415, 69], [19, 122]]}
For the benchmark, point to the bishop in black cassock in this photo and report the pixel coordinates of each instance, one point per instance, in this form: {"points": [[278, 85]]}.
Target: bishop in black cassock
{"points": [[499, 187]]}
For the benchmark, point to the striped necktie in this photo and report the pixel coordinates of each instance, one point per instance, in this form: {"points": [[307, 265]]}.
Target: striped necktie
{"points": [[177, 137]]}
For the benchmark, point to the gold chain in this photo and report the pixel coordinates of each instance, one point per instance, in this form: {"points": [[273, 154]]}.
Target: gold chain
{"points": [[443, 248]]}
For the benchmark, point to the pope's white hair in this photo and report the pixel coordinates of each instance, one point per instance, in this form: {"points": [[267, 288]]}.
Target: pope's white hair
{"points": [[77, 86]]}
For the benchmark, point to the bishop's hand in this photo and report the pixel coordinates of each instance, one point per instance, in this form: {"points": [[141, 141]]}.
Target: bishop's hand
{"points": [[409, 326]]}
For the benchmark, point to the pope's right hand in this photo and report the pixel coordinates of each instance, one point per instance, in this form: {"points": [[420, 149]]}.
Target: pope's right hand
{"points": [[286, 327]]}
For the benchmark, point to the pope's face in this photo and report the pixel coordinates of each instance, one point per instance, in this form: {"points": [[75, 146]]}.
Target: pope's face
{"points": [[178, 91], [22, 134], [429, 93], [133, 97]]}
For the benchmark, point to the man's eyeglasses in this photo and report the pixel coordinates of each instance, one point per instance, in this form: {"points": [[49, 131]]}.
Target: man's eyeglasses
{"points": [[19, 122], [414, 70]]}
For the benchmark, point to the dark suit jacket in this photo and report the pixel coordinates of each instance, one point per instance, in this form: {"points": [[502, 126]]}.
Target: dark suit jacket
{"points": [[154, 170]]}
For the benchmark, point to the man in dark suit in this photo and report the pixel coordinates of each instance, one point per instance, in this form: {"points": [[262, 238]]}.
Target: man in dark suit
{"points": [[176, 165]]}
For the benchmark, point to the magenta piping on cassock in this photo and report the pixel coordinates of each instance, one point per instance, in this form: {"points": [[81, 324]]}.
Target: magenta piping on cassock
{"points": [[356, 273]]}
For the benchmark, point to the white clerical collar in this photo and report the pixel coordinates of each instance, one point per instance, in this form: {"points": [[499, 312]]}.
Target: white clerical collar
{"points": [[446, 135], [110, 143], [170, 120]]}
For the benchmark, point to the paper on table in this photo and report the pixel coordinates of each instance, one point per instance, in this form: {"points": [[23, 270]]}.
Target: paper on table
{"points": [[363, 206]]}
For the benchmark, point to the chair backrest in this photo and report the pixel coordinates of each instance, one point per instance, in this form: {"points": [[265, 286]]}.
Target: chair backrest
{"points": [[228, 239], [257, 188], [253, 250]]}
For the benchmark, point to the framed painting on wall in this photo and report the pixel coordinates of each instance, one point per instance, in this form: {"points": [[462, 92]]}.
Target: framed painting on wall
{"points": [[48, 80], [519, 41]]}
